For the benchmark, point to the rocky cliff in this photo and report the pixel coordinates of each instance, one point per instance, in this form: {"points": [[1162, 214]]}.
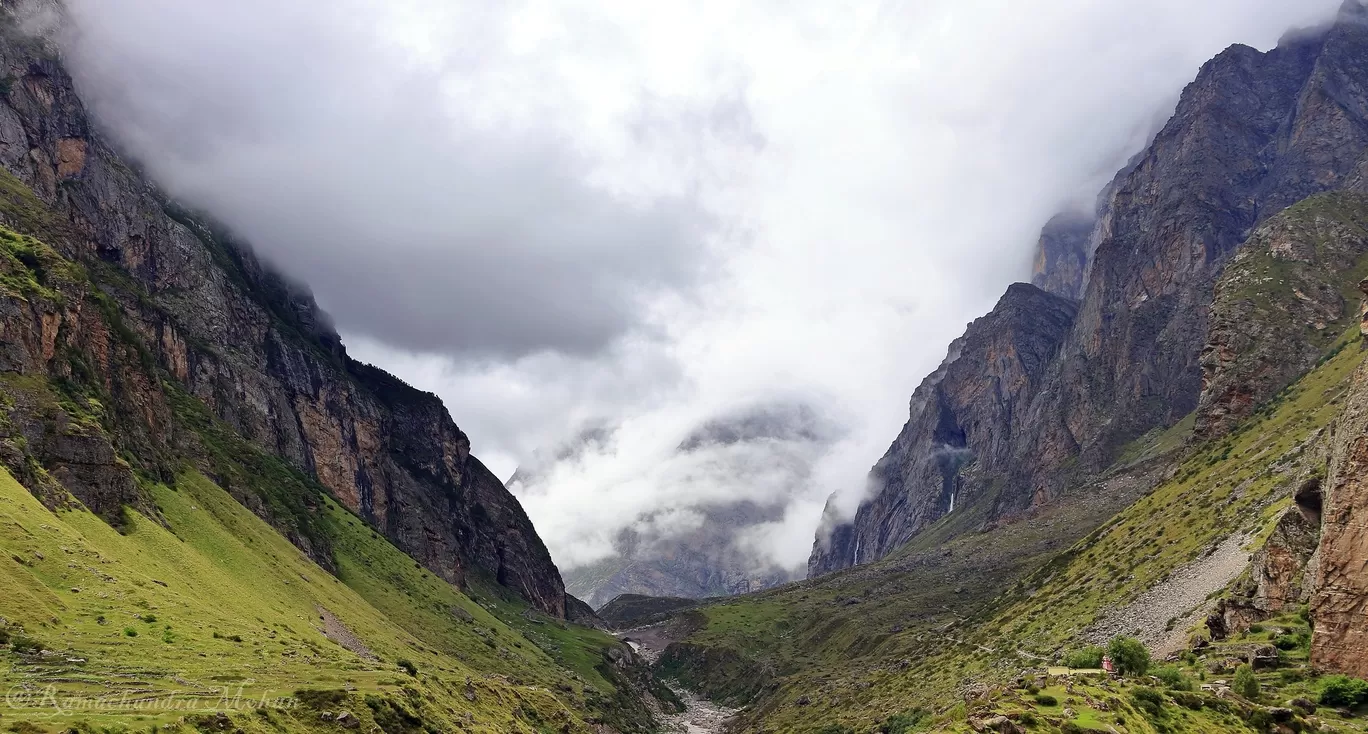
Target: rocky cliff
{"points": [[1254, 133], [133, 330], [1339, 603], [1284, 297], [959, 438], [1062, 254]]}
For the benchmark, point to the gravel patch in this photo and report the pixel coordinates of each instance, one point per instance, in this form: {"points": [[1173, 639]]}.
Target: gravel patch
{"points": [[699, 717], [1182, 596]]}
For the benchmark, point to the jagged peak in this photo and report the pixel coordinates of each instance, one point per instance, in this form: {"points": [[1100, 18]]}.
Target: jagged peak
{"points": [[1352, 11]]}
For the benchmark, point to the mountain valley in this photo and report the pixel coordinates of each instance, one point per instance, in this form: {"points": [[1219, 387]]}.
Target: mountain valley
{"points": [[1153, 458]]}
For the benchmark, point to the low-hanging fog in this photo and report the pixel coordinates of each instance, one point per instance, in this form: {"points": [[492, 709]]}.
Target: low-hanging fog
{"points": [[663, 256]]}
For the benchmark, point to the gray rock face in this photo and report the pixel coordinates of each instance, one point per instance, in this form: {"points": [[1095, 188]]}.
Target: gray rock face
{"points": [[1062, 254], [187, 302], [1253, 134], [962, 424]]}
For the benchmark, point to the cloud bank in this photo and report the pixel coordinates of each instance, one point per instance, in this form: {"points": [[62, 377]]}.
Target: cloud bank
{"points": [[646, 219]]}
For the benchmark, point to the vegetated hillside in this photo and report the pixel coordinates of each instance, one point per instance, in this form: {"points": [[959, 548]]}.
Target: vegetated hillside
{"points": [[1254, 133], [940, 632], [206, 610]]}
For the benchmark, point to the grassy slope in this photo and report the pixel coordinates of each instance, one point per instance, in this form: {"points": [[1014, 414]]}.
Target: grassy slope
{"points": [[217, 574], [914, 630]]}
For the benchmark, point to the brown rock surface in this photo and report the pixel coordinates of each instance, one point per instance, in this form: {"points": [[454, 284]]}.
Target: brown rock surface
{"points": [[1339, 606]]}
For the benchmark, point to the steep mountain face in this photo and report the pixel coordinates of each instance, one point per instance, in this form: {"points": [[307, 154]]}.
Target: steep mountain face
{"points": [[1062, 254], [1253, 134], [960, 435], [167, 315]]}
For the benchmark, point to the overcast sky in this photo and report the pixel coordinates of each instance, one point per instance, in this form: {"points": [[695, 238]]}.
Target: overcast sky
{"points": [[646, 217]]}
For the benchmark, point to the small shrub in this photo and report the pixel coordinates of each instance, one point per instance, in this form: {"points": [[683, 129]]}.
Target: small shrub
{"points": [[1341, 690], [1245, 683], [130, 632], [903, 723], [1129, 655], [149, 618], [1256, 629], [407, 666], [1046, 699], [1148, 700], [25, 645], [320, 699]]}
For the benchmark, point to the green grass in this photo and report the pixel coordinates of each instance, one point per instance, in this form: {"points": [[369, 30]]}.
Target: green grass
{"points": [[220, 601]]}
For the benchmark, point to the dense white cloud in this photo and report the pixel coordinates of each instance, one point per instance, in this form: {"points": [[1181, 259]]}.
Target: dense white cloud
{"points": [[649, 216]]}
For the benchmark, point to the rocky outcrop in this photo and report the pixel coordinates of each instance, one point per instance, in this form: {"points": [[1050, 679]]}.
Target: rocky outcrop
{"points": [[1062, 254], [1283, 298], [185, 301], [1281, 574], [960, 435], [1339, 606], [1253, 134]]}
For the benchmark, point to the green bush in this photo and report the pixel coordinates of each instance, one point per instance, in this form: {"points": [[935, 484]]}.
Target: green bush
{"points": [[1173, 677], [1245, 683], [1341, 690], [903, 723], [1148, 700], [407, 666], [1046, 699], [1129, 655], [320, 699], [27, 645], [130, 632], [1088, 657]]}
